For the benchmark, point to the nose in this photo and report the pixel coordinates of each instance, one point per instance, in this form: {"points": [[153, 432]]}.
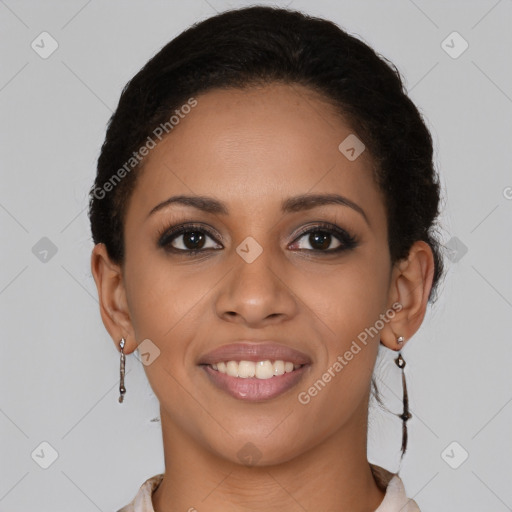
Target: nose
{"points": [[257, 293]]}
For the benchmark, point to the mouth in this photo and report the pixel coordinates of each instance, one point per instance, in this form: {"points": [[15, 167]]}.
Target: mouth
{"points": [[255, 371]]}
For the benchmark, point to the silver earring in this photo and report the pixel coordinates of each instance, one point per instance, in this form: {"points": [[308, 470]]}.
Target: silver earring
{"points": [[122, 389], [405, 415]]}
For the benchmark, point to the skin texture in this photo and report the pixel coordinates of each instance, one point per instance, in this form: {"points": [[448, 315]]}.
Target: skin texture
{"points": [[251, 149]]}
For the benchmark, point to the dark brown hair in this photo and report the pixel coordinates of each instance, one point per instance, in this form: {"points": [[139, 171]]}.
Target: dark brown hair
{"points": [[238, 48]]}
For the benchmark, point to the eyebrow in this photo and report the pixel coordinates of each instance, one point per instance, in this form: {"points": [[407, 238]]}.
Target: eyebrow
{"points": [[292, 204]]}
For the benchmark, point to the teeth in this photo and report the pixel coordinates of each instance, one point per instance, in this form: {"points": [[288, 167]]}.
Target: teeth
{"points": [[261, 369], [247, 369], [278, 367], [264, 370], [232, 368]]}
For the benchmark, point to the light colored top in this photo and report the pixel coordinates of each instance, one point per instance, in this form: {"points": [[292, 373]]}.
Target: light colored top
{"points": [[395, 499]]}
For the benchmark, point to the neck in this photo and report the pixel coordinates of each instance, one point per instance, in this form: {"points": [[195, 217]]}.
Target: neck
{"points": [[334, 475]]}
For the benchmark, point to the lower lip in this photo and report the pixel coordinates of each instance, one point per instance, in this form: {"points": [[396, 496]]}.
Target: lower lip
{"points": [[253, 389]]}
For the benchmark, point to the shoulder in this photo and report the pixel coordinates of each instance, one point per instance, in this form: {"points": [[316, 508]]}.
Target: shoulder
{"points": [[142, 501], [395, 499]]}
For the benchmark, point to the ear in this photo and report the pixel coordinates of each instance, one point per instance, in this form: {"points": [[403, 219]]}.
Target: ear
{"points": [[411, 282], [115, 314]]}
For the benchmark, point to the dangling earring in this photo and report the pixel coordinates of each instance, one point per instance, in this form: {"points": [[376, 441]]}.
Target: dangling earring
{"points": [[400, 362], [122, 389]]}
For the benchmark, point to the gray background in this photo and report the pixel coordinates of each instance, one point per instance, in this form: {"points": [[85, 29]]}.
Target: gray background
{"points": [[59, 368]]}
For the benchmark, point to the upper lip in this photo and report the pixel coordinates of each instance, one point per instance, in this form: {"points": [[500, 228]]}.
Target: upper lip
{"points": [[254, 351]]}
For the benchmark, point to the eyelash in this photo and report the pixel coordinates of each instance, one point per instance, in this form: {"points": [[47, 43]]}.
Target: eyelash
{"points": [[168, 235]]}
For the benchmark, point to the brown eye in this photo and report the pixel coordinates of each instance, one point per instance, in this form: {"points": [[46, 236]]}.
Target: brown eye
{"points": [[187, 239], [192, 240], [325, 238], [320, 240]]}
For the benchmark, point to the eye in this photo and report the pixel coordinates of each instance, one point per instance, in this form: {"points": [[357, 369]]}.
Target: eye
{"points": [[191, 239], [187, 239], [326, 238]]}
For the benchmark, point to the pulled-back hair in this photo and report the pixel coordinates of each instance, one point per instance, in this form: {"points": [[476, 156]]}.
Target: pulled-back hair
{"points": [[263, 45]]}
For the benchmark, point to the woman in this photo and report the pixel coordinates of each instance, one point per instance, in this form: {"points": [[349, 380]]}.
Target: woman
{"points": [[263, 215]]}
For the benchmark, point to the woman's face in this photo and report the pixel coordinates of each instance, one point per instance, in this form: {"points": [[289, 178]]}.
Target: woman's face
{"points": [[310, 278]]}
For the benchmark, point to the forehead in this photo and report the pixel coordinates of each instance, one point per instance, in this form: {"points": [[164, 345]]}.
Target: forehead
{"points": [[256, 146]]}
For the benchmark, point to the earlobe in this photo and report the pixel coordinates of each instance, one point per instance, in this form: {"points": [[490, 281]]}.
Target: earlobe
{"points": [[112, 297], [410, 286]]}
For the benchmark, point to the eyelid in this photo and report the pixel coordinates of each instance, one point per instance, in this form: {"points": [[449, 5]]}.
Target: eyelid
{"points": [[169, 229], [323, 225]]}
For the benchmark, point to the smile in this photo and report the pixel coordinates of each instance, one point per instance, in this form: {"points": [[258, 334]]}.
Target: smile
{"points": [[255, 371], [251, 387]]}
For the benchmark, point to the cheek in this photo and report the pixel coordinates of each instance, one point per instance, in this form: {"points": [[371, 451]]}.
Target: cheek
{"points": [[348, 302], [165, 305], [347, 298], [169, 305], [163, 297]]}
